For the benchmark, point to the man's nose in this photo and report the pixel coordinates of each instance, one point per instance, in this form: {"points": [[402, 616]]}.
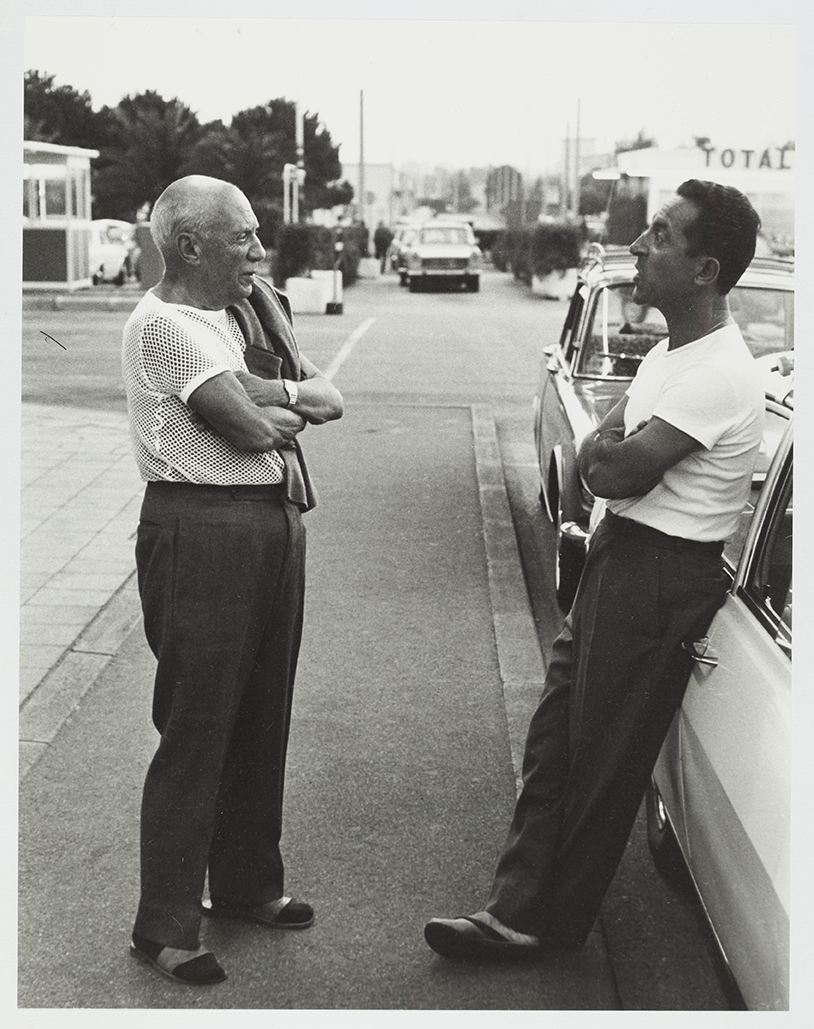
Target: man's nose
{"points": [[637, 247], [257, 251]]}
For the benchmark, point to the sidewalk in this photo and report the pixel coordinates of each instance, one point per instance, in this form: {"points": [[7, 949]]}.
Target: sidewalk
{"points": [[80, 499]]}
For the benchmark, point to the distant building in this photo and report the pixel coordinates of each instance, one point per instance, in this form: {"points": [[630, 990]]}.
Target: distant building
{"points": [[56, 216], [389, 194], [765, 174]]}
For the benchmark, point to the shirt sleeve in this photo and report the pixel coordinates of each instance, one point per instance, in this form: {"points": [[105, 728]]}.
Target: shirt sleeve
{"points": [[173, 362], [700, 401]]}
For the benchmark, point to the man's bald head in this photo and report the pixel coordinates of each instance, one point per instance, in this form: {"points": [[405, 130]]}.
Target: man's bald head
{"points": [[188, 205]]}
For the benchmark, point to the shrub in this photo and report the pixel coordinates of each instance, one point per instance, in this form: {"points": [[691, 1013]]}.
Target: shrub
{"points": [[539, 249], [303, 248], [555, 246]]}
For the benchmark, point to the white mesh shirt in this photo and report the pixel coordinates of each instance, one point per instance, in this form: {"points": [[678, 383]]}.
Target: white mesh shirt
{"points": [[168, 351]]}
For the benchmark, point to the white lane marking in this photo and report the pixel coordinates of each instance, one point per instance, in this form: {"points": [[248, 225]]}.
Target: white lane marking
{"points": [[347, 346]]}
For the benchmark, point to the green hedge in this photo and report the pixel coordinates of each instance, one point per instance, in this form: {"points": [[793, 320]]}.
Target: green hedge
{"points": [[539, 249], [301, 249]]}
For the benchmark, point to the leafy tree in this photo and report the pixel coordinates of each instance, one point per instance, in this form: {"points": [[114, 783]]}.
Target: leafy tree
{"points": [[252, 151], [58, 114], [148, 144]]}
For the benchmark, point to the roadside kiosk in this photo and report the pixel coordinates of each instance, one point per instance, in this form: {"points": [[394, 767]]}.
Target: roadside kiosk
{"points": [[56, 216]]}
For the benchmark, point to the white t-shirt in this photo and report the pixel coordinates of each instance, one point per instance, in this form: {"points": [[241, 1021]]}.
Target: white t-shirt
{"points": [[711, 389], [168, 351]]}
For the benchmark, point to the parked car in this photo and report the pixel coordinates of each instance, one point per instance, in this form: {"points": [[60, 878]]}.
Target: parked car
{"points": [[112, 243], [403, 235], [603, 340], [440, 252], [719, 800]]}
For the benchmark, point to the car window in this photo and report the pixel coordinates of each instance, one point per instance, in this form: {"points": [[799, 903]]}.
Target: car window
{"points": [[765, 317], [619, 333], [773, 431], [769, 586], [444, 234]]}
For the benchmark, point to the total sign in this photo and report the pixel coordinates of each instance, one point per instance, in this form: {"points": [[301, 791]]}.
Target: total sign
{"points": [[779, 158]]}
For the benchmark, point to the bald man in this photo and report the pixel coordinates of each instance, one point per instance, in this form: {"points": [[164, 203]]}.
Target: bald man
{"points": [[217, 394]]}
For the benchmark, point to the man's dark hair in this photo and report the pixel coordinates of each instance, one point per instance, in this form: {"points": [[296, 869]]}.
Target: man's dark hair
{"points": [[726, 228]]}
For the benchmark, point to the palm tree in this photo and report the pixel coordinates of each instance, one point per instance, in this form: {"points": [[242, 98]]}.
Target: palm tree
{"points": [[150, 143]]}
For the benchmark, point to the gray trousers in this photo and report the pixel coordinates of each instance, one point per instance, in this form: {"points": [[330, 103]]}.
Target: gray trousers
{"points": [[615, 680], [221, 579]]}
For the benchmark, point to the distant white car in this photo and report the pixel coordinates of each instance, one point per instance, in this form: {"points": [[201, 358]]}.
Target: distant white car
{"points": [[111, 246], [441, 252]]}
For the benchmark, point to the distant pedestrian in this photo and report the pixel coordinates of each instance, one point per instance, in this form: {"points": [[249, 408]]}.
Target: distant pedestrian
{"points": [[674, 458], [382, 238], [220, 555]]}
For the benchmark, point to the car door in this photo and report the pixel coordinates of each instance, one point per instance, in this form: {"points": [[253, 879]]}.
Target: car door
{"points": [[734, 737]]}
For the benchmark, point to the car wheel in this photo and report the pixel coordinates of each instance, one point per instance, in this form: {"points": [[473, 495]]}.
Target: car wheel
{"points": [[402, 279], [661, 840], [119, 279], [567, 566], [414, 285], [473, 284]]}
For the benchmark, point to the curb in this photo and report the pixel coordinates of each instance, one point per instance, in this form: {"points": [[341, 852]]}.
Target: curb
{"points": [[522, 668], [522, 672]]}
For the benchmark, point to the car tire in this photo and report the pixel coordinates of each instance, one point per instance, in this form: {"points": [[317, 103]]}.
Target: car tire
{"points": [[661, 840], [473, 284], [402, 279], [414, 285], [568, 563], [119, 279]]}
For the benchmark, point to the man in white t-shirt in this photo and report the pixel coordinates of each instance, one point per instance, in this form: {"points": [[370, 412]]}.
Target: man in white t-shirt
{"points": [[674, 459], [220, 555]]}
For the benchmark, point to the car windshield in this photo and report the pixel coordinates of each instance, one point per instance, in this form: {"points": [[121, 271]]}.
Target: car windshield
{"points": [[620, 332], [444, 234]]}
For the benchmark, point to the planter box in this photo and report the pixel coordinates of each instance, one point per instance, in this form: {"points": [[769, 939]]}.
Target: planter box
{"points": [[369, 268], [319, 294], [559, 285]]}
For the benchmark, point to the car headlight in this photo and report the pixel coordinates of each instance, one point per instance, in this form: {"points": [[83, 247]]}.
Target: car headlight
{"points": [[413, 261]]}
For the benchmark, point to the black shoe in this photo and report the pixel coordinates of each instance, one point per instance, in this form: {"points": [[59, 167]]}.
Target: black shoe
{"points": [[283, 913], [192, 967], [469, 937]]}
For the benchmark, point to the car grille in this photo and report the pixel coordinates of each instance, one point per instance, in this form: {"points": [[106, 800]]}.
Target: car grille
{"points": [[444, 263]]}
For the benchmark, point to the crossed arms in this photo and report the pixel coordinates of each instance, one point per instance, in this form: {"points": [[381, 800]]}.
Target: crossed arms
{"points": [[252, 413], [614, 466]]}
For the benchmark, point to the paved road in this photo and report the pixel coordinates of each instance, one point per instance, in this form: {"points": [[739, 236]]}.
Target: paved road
{"points": [[409, 713]]}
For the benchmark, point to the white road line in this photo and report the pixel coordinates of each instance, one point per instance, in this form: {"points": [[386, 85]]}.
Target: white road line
{"points": [[347, 346]]}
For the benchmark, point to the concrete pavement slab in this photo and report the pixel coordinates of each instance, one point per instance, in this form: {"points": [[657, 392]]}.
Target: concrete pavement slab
{"points": [[79, 503]]}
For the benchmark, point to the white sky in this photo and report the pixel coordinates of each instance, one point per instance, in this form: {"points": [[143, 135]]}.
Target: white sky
{"points": [[454, 92]]}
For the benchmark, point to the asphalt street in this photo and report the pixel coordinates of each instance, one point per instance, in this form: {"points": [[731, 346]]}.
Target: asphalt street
{"points": [[428, 615]]}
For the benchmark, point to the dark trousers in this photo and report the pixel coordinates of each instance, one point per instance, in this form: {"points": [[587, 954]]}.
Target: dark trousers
{"points": [[221, 578], [616, 678]]}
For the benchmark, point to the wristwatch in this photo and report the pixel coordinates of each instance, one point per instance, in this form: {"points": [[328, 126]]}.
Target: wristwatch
{"points": [[292, 391]]}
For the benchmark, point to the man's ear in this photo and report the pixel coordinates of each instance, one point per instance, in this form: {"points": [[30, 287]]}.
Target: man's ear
{"points": [[708, 271], [188, 248]]}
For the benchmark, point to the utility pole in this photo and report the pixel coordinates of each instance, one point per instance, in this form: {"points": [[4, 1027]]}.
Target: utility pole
{"points": [[576, 166], [362, 155], [299, 178]]}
